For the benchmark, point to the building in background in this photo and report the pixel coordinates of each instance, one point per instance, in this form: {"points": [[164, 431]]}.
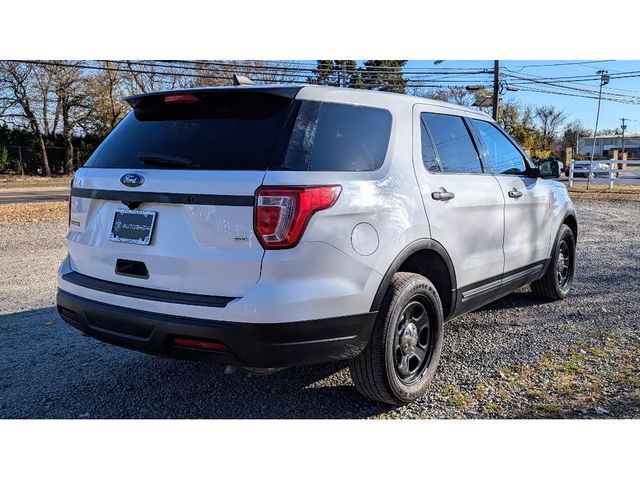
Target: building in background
{"points": [[606, 144]]}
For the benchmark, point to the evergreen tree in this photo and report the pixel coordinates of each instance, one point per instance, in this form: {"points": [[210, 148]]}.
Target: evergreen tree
{"points": [[337, 73], [384, 75]]}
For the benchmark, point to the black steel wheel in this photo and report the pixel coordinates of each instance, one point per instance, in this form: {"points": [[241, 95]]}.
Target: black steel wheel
{"points": [[557, 279], [413, 341], [563, 263], [402, 355]]}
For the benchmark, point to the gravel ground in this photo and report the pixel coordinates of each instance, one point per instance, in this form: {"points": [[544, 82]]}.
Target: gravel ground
{"points": [[515, 358]]}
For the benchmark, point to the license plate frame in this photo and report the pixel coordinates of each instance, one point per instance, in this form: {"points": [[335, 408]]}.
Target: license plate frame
{"points": [[142, 221]]}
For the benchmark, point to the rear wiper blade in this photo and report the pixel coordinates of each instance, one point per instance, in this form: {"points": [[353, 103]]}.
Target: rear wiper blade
{"points": [[164, 159]]}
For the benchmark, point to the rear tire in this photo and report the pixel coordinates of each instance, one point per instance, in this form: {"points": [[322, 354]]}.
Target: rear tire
{"points": [[401, 358], [557, 280]]}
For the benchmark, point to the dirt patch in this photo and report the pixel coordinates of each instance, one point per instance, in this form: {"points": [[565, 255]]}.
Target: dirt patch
{"points": [[33, 212]]}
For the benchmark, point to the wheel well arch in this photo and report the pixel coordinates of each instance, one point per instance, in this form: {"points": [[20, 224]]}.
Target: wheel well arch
{"points": [[428, 258], [571, 222]]}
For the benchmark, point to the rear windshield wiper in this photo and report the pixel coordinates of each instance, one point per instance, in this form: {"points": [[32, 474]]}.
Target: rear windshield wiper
{"points": [[164, 159]]}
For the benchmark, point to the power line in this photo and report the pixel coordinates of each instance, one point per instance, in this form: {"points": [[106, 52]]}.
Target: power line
{"points": [[559, 64], [278, 68], [195, 75], [411, 83], [585, 90], [567, 94], [528, 76], [274, 70], [378, 68], [627, 74]]}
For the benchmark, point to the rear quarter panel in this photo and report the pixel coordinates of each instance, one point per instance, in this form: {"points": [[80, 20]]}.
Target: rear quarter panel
{"points": [[388, 199]]}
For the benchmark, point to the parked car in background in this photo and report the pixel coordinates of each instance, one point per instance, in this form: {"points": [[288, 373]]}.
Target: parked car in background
{"points": [[268, 227], [581, 169]]}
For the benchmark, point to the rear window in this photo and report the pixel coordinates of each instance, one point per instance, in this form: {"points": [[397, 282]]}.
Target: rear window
{"points": [[452, 142], [338, 137], [228, 131], [247, 131]]}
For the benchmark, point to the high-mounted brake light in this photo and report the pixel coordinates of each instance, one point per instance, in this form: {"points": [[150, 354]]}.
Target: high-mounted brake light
{"points": [[282, 213], [181, 98]]}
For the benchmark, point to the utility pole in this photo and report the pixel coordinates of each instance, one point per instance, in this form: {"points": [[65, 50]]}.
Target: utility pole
{"points": [[604, 79], [496, 89], [624, 127]]}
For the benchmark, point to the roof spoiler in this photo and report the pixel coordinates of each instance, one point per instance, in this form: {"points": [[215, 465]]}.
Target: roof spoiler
{"points": [[282, 91]]}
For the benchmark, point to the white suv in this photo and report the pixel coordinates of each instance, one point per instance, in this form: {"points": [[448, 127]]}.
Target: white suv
{"points": [[267, 227]]}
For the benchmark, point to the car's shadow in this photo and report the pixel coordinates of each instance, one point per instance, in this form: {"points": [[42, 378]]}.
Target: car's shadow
{"points": [[53, 371], [520, 298]]}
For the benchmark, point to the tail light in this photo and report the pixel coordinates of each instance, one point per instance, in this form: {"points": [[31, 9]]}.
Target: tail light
{"points": [[69, 206], [282, 213]]}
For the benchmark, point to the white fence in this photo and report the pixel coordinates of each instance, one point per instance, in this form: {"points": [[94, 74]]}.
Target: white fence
{"points": [[613, 173]]}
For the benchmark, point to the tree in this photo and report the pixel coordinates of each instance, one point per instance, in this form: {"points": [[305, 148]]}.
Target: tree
{"points": [[22, 86], [610, 131], [68, 82], [261, 71], [572, 132], [551, 119], [5, 163], [459, 96], [383, 75], [456, 95], [518, 122], [106, 107], [338, 73]]}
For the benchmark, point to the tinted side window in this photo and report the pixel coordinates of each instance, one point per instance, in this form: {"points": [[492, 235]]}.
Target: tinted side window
{"points": [[338, 137], [503, 156], [453, 144]]}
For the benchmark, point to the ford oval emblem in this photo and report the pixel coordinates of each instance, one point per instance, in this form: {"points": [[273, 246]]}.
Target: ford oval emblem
{"points": [[132, 180]]}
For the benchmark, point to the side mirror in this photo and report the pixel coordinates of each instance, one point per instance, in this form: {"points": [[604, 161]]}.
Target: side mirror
{"points": [[550, 169]]}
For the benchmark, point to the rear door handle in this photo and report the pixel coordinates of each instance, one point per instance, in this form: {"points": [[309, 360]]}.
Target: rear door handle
{"points": [[442, 195], [515, 193]]}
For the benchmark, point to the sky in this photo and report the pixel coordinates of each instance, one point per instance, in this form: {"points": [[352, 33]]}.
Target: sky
{"points": [[583, 109]]}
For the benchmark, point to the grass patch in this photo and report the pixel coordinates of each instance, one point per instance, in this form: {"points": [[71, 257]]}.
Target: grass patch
{"points": [[599, 188], [19, 181], [602, 192], [594, 373], [456, 397], [545, 408]]}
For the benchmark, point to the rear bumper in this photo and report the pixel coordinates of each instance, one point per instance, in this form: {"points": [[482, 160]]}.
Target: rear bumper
{"points": [[257, 345]]}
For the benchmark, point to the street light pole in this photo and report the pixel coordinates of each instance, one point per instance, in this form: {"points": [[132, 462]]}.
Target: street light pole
{"points": [[604, 79], [624, 127], [496, 88]]}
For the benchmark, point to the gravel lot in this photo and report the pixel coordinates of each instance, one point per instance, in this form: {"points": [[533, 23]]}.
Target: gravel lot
{"points": [[517, 357]]}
